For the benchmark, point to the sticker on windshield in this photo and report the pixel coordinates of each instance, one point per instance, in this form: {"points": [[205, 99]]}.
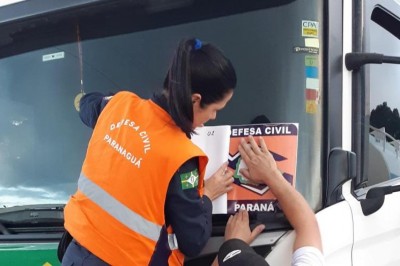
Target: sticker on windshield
{"points": [[308, 50], [311, 60], [311, 107], [309, 28], [311, 42], [54, 56]]}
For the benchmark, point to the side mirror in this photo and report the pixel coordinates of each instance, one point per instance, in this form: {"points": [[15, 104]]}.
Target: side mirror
{"points": [[375, 198], [387, 20]]}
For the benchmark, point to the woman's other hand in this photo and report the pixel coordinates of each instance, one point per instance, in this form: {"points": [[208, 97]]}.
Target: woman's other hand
{"points": [[219, 183]]}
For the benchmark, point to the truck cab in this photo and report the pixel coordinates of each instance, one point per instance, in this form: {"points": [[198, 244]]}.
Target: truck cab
{"points": [[328, 65]]}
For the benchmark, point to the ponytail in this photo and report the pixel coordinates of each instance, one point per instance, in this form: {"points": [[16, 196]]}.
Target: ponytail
{"points": [[196, 68], [178, 87]]}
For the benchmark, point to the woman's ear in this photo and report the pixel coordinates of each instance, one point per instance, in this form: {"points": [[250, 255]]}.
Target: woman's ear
{"points": [[196, 98]]}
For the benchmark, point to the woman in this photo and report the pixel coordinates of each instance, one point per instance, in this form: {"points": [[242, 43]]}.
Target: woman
{"points": [[141, 199]]}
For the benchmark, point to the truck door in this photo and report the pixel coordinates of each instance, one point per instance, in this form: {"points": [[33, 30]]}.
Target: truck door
{"points": [[376, 136]]}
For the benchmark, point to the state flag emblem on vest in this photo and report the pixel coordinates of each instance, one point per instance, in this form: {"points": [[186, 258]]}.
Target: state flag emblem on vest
{"points": [[190, 179]]}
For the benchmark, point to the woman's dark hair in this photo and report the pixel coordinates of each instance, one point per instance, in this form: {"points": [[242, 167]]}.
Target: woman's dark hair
{"points": [[196, 68]]}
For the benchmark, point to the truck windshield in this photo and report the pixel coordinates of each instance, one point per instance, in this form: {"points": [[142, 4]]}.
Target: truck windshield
{"points": [[276, 47]]}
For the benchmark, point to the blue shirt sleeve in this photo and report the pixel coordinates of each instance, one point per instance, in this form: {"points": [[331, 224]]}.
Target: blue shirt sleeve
{"points": [[189, 214], [90, 108]]}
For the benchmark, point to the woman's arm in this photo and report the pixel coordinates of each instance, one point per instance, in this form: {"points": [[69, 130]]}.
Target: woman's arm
{"points": [[90, 107], [189, 214]]}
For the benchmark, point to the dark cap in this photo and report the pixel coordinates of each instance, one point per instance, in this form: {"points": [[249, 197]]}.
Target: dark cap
{"points": [[236, 252]]}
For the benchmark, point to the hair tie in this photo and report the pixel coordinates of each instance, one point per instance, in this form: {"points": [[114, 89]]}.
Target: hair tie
{"points": [[197, 44]]}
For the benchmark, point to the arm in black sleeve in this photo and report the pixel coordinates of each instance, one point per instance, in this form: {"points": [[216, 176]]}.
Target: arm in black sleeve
{"points": [[90, 107], [237, 252], [189, 214]]}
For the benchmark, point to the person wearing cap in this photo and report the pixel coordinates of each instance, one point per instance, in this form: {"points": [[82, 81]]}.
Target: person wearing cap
{"points": [[141, 197], [261, 168]]}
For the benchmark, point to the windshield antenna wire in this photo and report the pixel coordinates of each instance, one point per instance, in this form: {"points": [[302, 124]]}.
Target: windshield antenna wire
{"points": [[78, 38]]}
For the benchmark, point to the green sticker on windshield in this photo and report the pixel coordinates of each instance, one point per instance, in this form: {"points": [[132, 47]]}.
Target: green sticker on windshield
{"points": [[190, 179]]}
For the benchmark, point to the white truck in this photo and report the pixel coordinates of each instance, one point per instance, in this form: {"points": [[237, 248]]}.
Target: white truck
{"points": [[328, 65]]}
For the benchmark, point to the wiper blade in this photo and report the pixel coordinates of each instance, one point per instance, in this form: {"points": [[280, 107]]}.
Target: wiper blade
{"points": [[4, 230], [39, 214]]}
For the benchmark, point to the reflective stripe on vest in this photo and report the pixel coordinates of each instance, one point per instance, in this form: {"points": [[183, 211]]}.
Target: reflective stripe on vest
{"points": [[121, 213]]}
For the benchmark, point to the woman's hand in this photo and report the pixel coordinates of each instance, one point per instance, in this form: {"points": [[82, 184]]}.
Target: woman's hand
{"points": [[219, 183]]}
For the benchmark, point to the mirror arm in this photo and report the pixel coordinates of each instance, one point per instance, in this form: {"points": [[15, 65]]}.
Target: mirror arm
{"points": [[354, 61]]}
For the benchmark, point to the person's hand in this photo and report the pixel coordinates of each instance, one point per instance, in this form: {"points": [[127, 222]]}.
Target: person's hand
{"points": [[219, 183], [260, 162], [238, 227]]}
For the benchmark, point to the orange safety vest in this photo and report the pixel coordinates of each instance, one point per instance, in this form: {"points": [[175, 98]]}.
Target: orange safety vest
{"points": [[117, 212]]}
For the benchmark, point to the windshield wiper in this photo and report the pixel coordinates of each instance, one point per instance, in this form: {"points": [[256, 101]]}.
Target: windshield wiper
{"points": [[31, 218], [4, 230]]}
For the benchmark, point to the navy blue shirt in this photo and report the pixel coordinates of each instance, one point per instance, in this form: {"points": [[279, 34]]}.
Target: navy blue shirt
{"points": [[189, 214]]}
